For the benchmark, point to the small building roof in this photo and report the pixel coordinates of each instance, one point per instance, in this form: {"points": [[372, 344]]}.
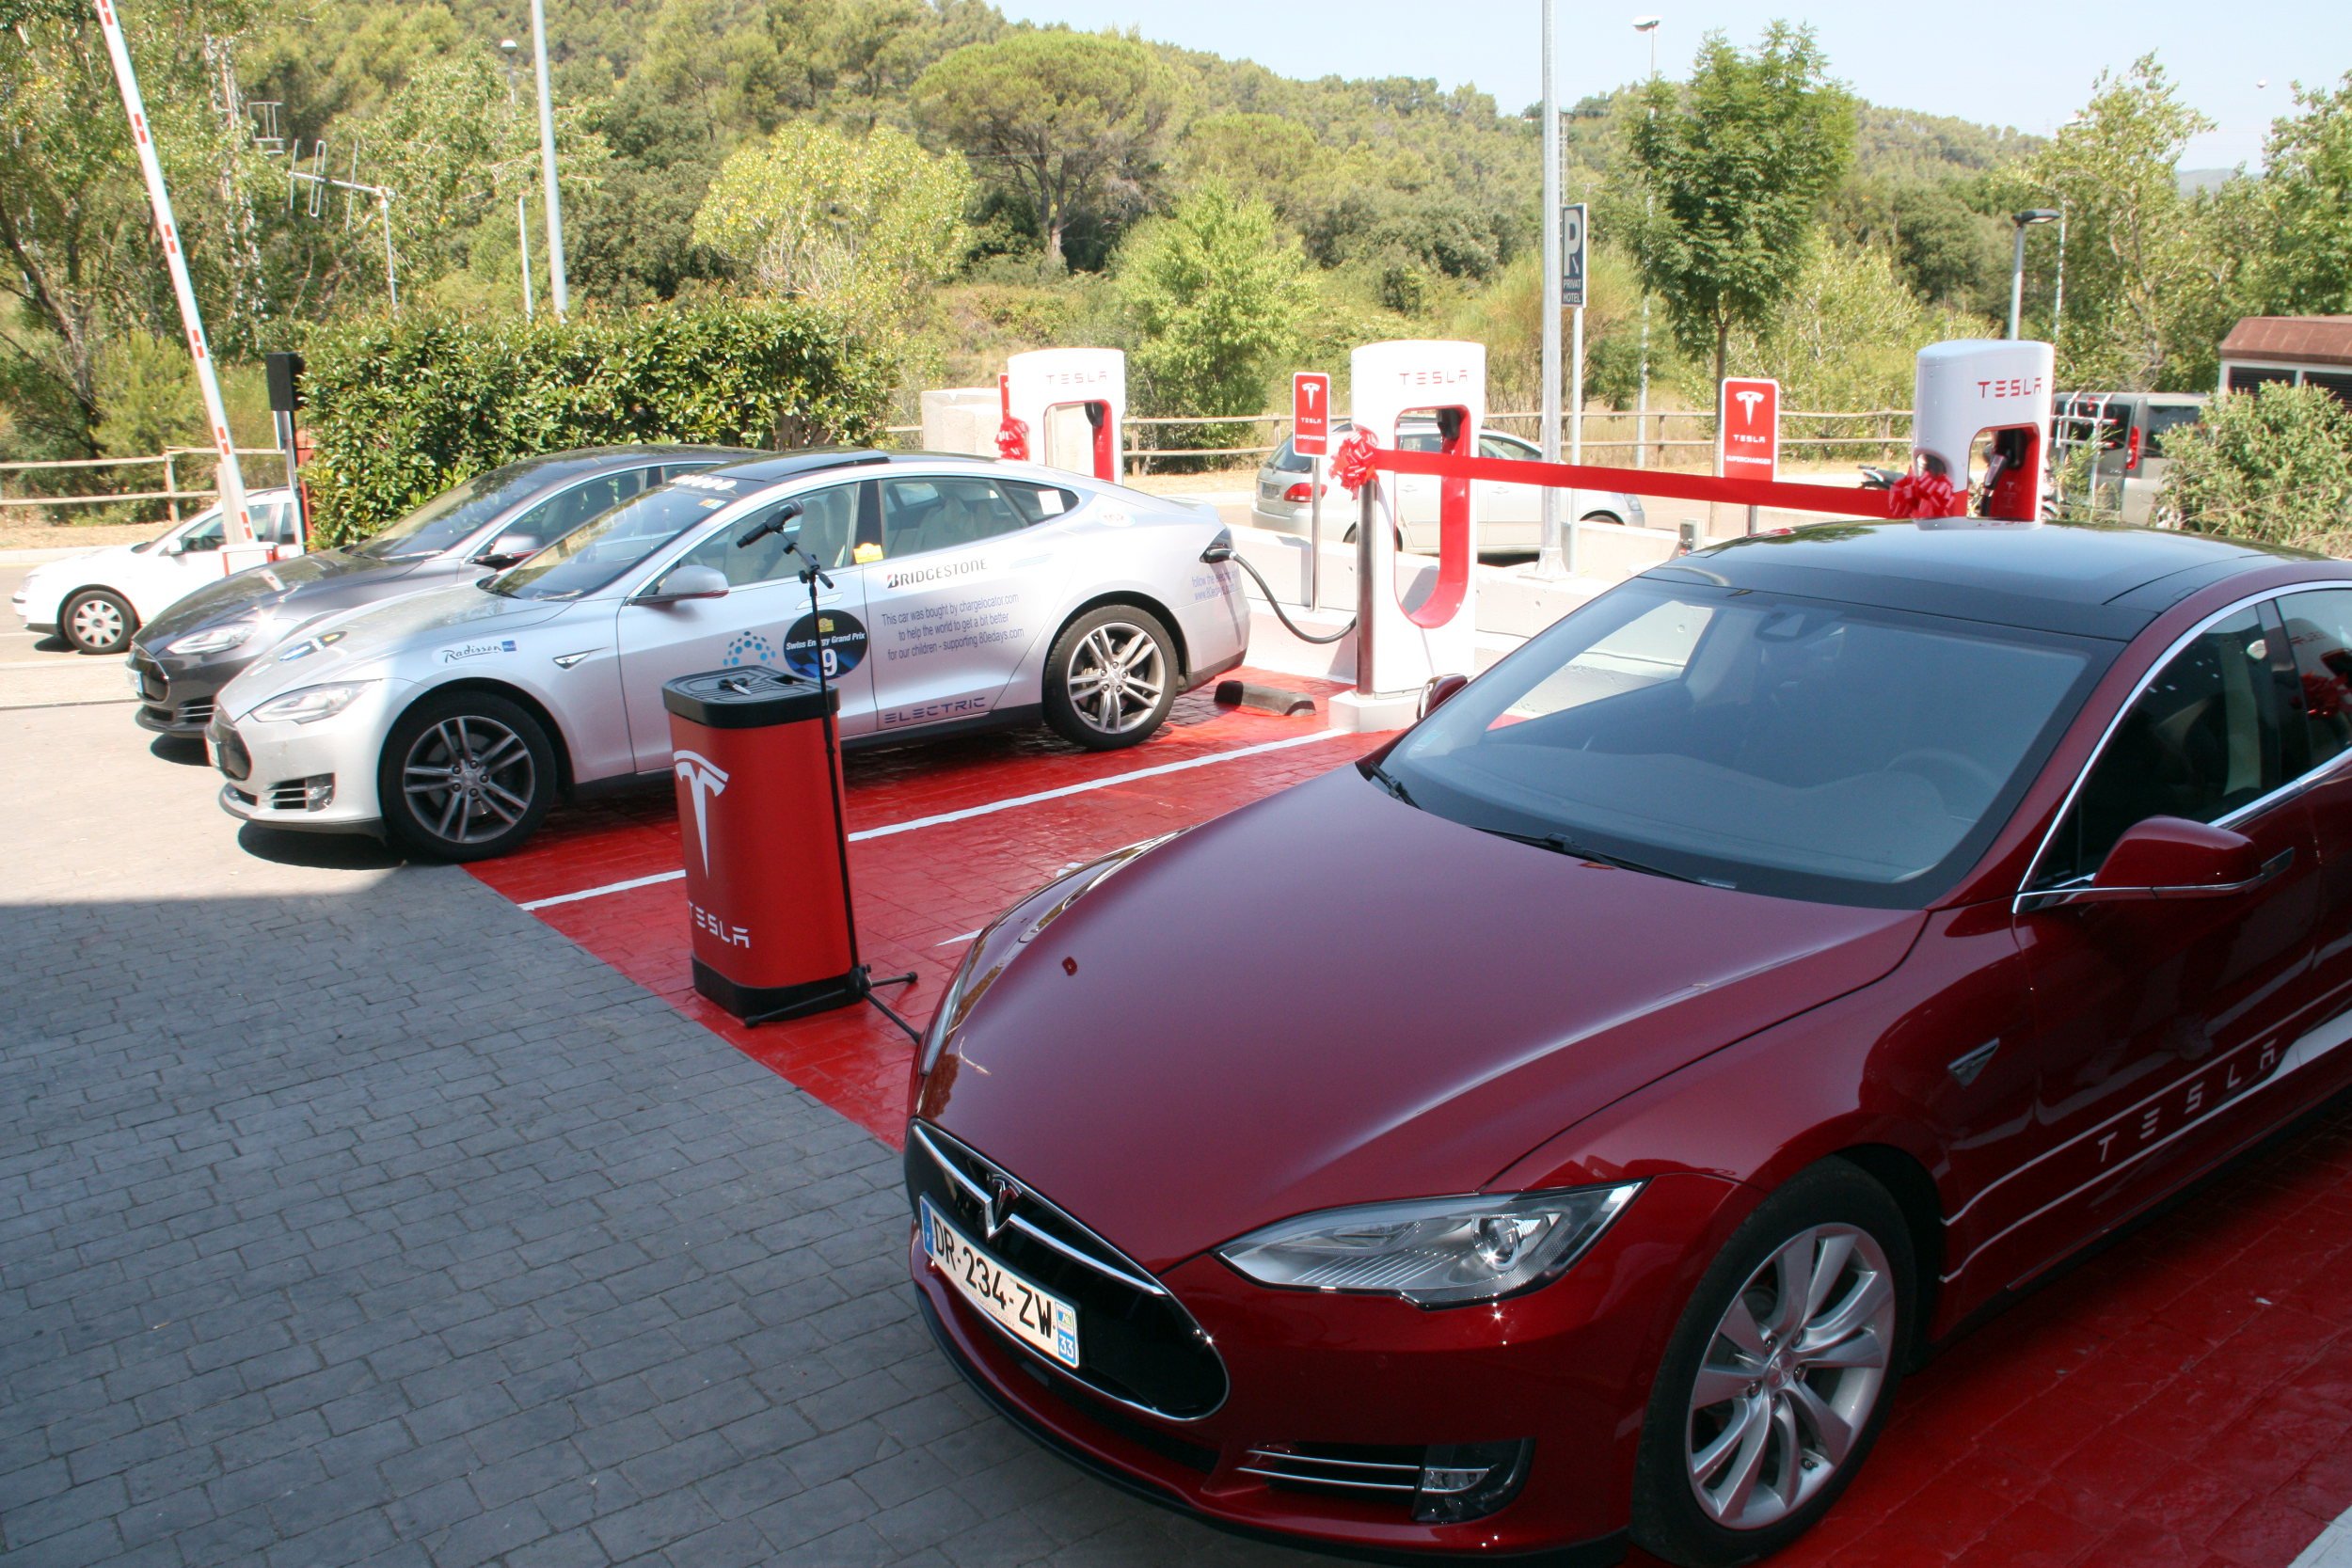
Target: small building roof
{"points": [[2290, 340]]}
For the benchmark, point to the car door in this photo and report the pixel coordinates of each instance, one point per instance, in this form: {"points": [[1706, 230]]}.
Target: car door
{"points": [[1416, 495], [764, 618], [970, 571], [2149, 1017], [2318, 626], [1510, 514]]}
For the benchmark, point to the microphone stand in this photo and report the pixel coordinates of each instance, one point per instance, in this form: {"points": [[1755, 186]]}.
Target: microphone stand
{"points": [[860, 982]]}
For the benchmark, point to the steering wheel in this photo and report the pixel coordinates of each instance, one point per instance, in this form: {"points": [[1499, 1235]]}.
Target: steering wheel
{"points": [[1941, 759]]}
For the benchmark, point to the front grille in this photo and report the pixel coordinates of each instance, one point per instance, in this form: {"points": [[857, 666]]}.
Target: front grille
{"points": [[315, 793], [198, 713], [236, 761], [1354, 1470], [1137, 1344]]}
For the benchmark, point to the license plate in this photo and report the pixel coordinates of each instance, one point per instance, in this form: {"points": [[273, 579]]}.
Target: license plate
{"points": [[1045, 1322]]}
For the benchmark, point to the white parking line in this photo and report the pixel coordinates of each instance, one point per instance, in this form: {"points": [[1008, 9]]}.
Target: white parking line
{"points": [[969, 811]]}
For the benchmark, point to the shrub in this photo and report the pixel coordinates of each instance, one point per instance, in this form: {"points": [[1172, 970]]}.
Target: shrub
{"points": [[2274, 465], [400, 410]]}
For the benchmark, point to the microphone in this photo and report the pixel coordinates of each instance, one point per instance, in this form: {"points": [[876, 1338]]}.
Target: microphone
{"points": [[773, 523]]}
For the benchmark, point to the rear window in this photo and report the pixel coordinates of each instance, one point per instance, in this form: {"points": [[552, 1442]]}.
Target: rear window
{"points": [[2162, 420], [1287, 461]]}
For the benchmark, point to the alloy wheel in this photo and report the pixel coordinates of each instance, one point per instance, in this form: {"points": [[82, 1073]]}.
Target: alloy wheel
{"points": [[97, 623], [1116, 677], [1791, 1377], [469, 779]]}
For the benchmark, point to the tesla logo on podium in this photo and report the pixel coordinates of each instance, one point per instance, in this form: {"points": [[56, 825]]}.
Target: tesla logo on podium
{"points": [[1749, 423], [704, 779], [1310, 412]]}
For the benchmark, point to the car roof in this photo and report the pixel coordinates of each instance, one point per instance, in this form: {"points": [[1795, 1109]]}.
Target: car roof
{"points": [[2088, 578]]}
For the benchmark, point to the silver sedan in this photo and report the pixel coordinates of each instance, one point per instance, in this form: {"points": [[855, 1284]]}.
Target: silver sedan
{"points": [[1510, 516]]}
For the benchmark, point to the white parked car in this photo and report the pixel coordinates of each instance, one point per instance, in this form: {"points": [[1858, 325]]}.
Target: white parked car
{"points": [[966, 594], [96, 600], [1510, 516]]}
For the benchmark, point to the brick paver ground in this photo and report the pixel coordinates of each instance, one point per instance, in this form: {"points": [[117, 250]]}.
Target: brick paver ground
{"points": [[350, 1214]]}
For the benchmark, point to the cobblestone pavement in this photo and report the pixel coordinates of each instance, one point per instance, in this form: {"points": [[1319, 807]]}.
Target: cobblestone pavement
{"points": [[348, 1214]]}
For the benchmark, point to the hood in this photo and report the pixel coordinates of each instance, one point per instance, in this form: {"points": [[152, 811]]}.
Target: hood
{"points": [[401, 635], [277, 582], [1331, 997], [79, 560]]}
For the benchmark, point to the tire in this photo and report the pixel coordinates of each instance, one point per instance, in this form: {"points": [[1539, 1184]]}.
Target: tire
{"points": [[1610, 517], [504, 795], [1136, 650], [1830, 1216], [98, 622]]}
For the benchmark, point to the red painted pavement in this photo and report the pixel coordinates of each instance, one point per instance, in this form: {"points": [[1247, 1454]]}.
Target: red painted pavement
{"points": [[2183, 1401], [917, 892]]}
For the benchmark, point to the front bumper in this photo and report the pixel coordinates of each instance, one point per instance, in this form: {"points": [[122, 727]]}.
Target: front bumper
{"points": [[1569, 1365], [273, 771], [177, 698], [21, 602]]}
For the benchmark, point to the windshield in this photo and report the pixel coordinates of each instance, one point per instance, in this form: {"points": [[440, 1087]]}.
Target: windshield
{"points": [[449, 517], [1781, 745], [586, 559]]}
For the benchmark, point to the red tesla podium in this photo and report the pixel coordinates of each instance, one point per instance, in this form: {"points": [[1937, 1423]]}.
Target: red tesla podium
{"points": [[763, 837]]}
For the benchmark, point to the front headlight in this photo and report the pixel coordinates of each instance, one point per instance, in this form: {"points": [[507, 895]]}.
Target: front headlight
{"points": [[215, 639], [1432, 1251], [310, 703]]}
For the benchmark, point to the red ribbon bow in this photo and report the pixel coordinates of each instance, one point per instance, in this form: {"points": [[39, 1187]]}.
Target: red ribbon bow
{"points": [[1924, 496], [1012, 439], [1351, 465]]}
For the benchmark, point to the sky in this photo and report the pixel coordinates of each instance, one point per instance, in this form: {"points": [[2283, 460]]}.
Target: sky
{"points": [[1999, 62]]}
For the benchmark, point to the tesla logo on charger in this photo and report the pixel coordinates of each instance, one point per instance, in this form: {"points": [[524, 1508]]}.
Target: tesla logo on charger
{"points": [[704, 779], [734, 936]]}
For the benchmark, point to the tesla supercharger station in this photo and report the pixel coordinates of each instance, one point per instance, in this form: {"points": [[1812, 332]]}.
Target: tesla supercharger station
{"points": [[1065, 407], [1398, 650], [1974, 387]]}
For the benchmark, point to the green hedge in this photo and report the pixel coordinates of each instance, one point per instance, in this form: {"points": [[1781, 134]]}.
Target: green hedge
{"points": [[400, 410]]}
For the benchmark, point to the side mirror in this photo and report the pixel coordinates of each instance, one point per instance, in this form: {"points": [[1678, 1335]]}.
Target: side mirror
{"points": [[2170, 857], [508, 548], [1439, 691], [687, 582]]}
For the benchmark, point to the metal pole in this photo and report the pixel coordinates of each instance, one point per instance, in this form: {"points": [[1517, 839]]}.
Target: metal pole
{"points": [[2057, 302], [1575, 442], [1365, 587], [557, 291], [1649, 207], [522, 232], [1314, 534], [1552, 559], [392, 272], [237, 519], [2017, 282]]}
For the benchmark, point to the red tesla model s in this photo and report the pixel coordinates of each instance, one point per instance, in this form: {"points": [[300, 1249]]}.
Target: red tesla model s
{"points": [[1562, 1127]]}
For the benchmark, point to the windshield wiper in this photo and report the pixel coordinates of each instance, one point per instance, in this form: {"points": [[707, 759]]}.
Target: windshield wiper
{"points": [[1560, 844], [1388, 782]]}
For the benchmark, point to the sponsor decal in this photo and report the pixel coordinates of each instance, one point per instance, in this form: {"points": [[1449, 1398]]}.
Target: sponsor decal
{"points": [[750, 648], [733, 936], [477, 650], [957, 627], [1110, 517], [946, 569], [312, 644], [934, 713], [831, 639], [707, 481], [704, 780]]}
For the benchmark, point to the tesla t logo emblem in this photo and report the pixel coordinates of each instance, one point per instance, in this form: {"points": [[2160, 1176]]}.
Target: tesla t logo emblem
{"points": [[703, 780], [1002, 1193], [1747, 402]]}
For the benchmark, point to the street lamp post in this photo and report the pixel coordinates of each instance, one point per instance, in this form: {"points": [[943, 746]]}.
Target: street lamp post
{"points": [[1646, 24], [1551, 553], [2023, 220], [558, 293], [522, 216]]}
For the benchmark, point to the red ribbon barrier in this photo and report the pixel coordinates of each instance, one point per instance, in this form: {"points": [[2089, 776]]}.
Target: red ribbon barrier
{"points": [[1012, 439], [1351, 465], [1836, 498]]}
